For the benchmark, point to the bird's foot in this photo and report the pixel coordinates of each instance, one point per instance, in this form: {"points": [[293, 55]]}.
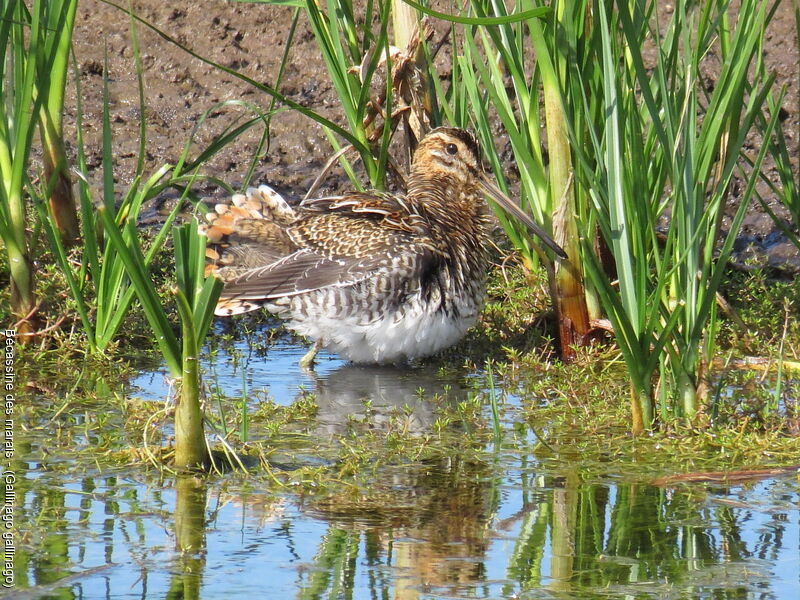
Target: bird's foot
{"points": [[308, 361]]}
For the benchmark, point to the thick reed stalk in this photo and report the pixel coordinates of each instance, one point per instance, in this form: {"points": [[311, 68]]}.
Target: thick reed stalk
{"points": [[23, 300], [190, 507], [641, 410], [404, 18], [51, 87], [687, 392], [20, 45], [569, 295], [190, 539], [190, 442], [59, 183], [563, 531]]}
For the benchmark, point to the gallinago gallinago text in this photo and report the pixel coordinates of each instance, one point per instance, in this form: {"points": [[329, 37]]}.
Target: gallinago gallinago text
{"points": [[373, 277]]}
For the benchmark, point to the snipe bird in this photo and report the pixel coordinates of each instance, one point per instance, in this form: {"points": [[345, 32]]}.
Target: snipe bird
{"points": [[371, 276]]}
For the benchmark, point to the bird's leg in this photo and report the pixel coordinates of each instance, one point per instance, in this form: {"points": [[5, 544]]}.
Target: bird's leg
{"points": [[307, 362]]}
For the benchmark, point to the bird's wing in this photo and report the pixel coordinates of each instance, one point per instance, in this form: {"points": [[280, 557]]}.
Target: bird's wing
{"points": [[392, 211], [300, 272], [336, 241], [346, 235]]}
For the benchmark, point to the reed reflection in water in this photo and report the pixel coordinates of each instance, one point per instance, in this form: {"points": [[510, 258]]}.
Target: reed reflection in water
{"points": [[455, 529], [490, 525]]}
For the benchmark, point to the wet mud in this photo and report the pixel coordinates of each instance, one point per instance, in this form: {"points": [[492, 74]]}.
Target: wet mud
{"points": [[251, 38]]}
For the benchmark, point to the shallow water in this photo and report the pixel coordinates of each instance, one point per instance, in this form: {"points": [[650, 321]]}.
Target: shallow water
{"points": [[505, 525], [530, 534]]}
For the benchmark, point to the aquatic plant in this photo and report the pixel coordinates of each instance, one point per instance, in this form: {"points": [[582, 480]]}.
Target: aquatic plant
{"points": [[23, 48], [124, 269], [668, 147], [352, 54], [547, 185], [626, 149], [195, 296], [98, 283], [787, 186]]}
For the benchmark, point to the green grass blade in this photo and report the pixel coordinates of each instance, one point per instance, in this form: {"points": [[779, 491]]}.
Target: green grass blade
{"points": [[76, 291], [514, 18], [91, 252], [146, 292]]}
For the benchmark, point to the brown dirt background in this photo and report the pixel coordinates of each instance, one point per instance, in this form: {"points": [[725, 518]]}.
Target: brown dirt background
{"points": [[251, 39]]}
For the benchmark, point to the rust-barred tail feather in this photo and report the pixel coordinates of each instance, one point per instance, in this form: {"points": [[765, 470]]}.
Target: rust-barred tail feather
{"points": [[227, 307], [262, 204], [242, 234]]}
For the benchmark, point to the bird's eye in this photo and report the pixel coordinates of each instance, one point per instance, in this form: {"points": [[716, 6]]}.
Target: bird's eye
{"points": [[451, 148]]}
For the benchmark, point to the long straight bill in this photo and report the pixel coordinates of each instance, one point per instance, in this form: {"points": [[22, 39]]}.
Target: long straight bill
{"points": [[511, 207]]}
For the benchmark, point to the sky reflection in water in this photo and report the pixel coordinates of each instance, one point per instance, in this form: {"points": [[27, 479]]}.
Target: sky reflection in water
{"points": [[507, 526]]}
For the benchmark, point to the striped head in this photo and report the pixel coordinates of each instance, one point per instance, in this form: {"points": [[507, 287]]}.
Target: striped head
{"points": [[448, 152], [447, 170]]}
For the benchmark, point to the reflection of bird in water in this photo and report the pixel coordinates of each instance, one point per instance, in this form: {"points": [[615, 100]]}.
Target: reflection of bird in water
{"points": [[373, 277], [378, 394]]}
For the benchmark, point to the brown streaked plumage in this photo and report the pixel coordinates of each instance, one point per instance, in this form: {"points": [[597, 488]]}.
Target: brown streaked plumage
{"points": [[374, 277]]}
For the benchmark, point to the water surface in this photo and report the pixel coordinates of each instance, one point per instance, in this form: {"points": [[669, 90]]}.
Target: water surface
{"points": [[501, 524]]}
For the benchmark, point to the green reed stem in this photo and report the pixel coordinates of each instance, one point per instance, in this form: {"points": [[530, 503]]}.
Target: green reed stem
{"points": [[22, 47], [497, 428]]}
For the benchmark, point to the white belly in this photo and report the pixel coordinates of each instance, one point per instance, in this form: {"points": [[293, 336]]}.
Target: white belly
{"points": [[414, 331]]}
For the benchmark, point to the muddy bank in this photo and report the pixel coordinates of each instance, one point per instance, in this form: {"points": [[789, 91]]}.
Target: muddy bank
{"points": [[251, 38]]}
